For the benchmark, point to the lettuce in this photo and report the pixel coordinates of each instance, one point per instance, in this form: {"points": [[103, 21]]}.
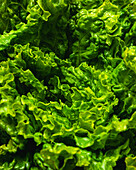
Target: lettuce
{"points": [[67, 84]]}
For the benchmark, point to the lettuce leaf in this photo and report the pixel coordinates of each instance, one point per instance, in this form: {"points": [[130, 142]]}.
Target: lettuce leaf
{"points": [[67, 84]]}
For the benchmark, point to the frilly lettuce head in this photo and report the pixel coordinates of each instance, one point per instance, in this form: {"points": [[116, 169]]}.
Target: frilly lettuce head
{"points": [[68, 85]]}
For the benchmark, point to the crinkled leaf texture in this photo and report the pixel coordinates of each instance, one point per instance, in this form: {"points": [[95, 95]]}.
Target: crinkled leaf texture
{"points": [[67, 85]]}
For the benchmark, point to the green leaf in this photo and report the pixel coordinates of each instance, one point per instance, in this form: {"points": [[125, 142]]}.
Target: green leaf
{"points": [[130, 163]]}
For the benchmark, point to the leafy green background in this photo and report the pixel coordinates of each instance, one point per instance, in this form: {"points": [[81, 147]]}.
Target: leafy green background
{"points": [[67, 84]]}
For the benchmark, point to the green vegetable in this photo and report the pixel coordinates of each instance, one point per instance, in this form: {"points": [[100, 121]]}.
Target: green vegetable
{"points": [[67, 84]]}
